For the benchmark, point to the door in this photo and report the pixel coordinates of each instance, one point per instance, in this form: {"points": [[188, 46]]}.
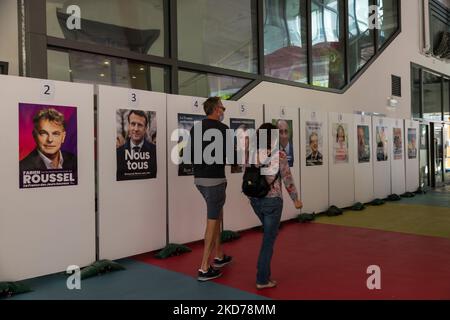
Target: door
{"points": [[424, 155], [446, 132], [437, 154]]}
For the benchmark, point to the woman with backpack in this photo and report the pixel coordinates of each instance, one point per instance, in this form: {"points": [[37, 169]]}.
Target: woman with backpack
{"points": [[267, 202]]}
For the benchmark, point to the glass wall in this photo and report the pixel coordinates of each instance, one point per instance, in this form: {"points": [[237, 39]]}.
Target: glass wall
{"points": [[285, 40], [303, 42], [424, 149], [388, 17], [218, 33], [328, 51], [415, 93], [446, 99], [207, 85], [134, 25], [435, 90], [82, 67], [361, 38], [432, 97]]}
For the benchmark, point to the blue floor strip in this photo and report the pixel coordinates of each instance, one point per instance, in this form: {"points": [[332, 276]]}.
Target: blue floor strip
{"points": [[139, 282]]}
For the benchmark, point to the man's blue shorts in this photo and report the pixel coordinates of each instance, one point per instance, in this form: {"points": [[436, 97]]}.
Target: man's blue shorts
{"points": [[215, 199]]}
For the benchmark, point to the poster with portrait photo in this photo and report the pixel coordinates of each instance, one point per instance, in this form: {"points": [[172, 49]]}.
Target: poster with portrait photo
{"points": [[241, 141], [382, 143], [412, 143], [340, 142], [363, 144], [314, 144], [136, 144], [186, 122], [47, 146], [397, 143], [286, 133]]}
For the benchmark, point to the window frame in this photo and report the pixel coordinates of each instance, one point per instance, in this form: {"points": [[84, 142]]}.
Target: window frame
{"points": [[4, 67], [442, 76], [37, 42]]}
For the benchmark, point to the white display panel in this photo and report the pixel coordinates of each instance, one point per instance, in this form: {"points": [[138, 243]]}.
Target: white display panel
{"points": [[341, 159], [187, 209], [132, 212], [381, 146], [290, 114], [363, 158], [238, 213], [45, 229], [411, 141], [314, 169], [397, 157]]}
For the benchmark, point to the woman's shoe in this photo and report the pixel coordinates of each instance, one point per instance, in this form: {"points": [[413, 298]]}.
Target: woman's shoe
{"points": [[270, 284]]}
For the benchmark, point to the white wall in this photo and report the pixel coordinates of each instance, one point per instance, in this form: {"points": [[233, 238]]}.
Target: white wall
{"points": [[9, 35], [371, 90]]}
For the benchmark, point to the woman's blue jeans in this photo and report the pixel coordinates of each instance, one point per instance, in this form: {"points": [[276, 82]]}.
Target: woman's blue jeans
{"points": [[269, 212]]}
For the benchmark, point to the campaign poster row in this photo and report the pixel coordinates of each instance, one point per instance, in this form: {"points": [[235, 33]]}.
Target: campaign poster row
{"points": [[48, 144]]}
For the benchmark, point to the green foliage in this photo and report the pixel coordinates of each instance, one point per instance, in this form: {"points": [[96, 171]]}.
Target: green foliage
{"points": [[393, 197], [8, 289], [358, 207], [377, 202], [172, 249], [100, 267], [306, 217], [408, 195], [228, 236], [334, 211]]}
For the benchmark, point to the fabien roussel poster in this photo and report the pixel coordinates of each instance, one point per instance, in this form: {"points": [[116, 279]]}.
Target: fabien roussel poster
{"points": [[47, 146], [136, 144], [314, 143], [186, 122]]}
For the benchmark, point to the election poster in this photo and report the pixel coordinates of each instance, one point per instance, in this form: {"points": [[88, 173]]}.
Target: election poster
{"points": [[382, 143], [286, 133], [186, 122], [340, 142], [136, 144], [363, 144], [314, 144], [47, 146], [398, 143], [412, 147], [243, 133]]}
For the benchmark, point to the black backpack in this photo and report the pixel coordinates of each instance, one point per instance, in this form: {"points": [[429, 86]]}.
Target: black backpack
{"points": [[254, 184]]}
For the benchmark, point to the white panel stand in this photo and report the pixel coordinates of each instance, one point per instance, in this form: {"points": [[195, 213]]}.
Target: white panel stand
{"points": [[187, 209], [272, 112], [398, 165], [238, 213], [45, 230], [341, 172], [381, 169], [132, 213], [363, 170], [314, 181], [412, 157]]}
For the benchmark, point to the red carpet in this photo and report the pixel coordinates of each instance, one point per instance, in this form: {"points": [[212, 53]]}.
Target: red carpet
{"points": [[316, 261]]}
